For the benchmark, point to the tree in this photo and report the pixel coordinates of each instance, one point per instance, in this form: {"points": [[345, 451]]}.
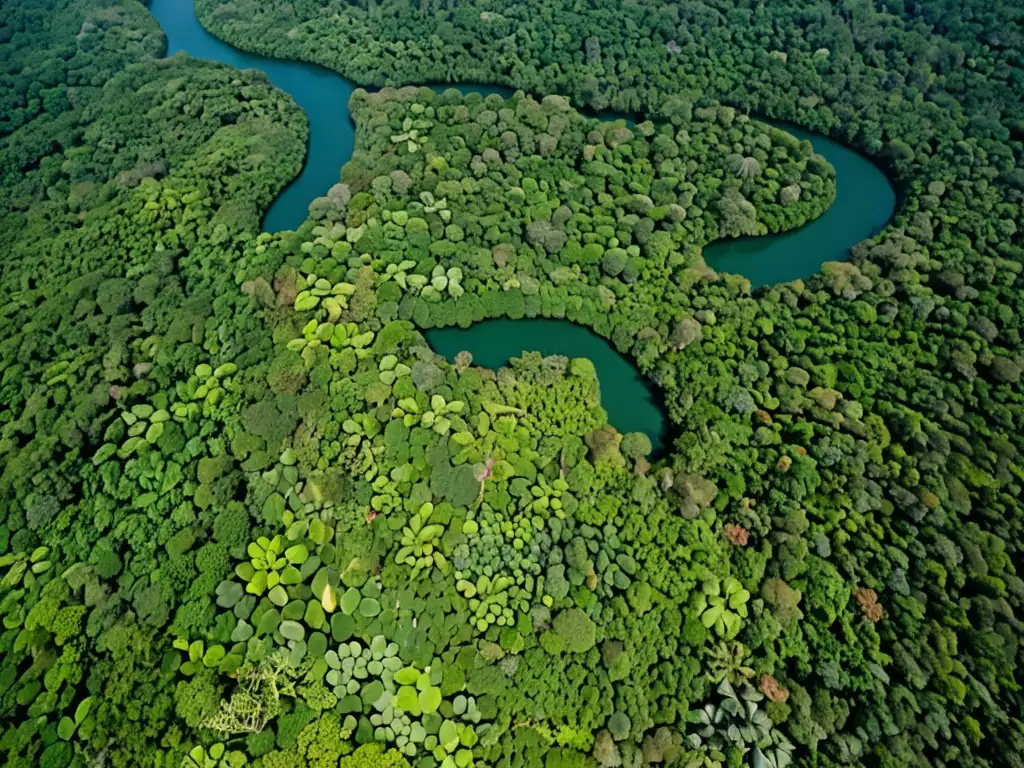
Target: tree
{"points": [[619, 725], [738, 215], [576, 629], [684, 333], [744, 167], [635, 446], [606, 752]]}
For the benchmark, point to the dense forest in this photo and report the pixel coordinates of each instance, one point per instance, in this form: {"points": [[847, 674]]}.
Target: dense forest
{"points": [[249, 517]]}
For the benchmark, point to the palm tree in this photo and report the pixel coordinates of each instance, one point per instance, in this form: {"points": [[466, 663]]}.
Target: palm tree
{"points": [[744, 167]]}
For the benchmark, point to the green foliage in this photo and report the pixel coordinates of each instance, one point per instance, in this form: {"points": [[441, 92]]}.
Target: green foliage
{"points": [[737, 722], [256, 700], [421, 543], [374, 756], [271, 565], [575, 629], [728, 661], [217, 756], [840, 506], [722, 606]]}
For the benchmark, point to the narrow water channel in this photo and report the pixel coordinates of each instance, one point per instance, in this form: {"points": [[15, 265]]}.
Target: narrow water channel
{"points": [[321, 93]]}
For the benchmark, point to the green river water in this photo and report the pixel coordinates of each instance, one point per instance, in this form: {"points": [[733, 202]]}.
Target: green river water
{"points": [[864, 203]]}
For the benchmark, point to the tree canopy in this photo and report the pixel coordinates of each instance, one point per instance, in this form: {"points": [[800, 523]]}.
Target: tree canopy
{"points": [[248, 516]]}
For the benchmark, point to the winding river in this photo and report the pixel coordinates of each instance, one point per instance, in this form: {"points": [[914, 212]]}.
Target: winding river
{"points": [[865, 200]]}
